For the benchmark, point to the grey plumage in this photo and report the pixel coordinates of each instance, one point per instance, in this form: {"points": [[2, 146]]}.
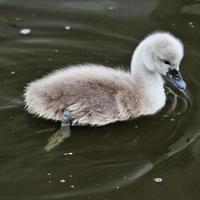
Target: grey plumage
{"points": [[95, 95]]}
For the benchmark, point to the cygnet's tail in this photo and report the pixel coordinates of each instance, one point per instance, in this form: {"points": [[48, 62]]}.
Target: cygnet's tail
{"points": [[42, 102]]}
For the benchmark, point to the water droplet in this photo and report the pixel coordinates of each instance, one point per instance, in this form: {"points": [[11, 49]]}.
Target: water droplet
{"points": [[25, 31]]}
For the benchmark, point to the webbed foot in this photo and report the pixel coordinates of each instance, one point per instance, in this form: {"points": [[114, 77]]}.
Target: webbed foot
{"points": [[64, 132]]}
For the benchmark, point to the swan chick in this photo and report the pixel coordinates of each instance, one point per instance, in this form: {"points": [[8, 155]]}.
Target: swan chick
{"points": [[97, 95]]}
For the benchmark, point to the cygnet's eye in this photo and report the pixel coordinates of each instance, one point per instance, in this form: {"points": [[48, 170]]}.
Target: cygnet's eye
{"points": [[166, 62]]}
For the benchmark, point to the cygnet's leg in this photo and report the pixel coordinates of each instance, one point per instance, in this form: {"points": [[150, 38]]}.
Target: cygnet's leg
{"points": [[61, 134]]}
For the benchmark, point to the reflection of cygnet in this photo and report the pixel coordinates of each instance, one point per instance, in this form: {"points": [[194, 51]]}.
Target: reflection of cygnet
{"points": [[98, 95]]}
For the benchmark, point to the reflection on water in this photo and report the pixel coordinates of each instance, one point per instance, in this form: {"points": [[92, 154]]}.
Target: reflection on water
{"points": [[119, 161]]}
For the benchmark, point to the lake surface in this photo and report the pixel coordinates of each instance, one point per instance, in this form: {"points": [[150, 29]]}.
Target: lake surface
{"points": [[154, 157]]}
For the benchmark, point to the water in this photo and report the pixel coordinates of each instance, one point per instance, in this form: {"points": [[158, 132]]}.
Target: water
{"points": [[155, 157]]}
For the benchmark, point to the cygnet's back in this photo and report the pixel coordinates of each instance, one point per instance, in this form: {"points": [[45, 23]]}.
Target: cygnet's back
{"points": [[95, 95]]}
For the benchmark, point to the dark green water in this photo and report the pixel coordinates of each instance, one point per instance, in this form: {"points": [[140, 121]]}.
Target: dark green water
{"points": [[115, 162]]}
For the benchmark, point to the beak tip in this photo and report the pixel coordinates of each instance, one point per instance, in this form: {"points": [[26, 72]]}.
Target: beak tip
{"points": [[177, 79], [181, 85]]}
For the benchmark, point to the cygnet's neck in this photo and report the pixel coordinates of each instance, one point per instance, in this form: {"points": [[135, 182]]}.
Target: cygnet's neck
{"points": [[150, 84]]}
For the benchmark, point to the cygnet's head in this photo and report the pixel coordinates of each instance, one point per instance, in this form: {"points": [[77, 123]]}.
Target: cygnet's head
{"points": [[162, 53]]}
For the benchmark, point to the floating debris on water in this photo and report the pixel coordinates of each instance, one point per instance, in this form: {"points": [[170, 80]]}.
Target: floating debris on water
{"points": [[158, 180], [72, 186], [49, 174], [136, 126], [180, 162], [17, 19], [12, 73], [70, 176], [68, 154], [25, 31], [49, 59], [49, 181], [172, 119], [56, 50], [111, 8], [117, 187], [62, 180], [67, 27], [191, 24], [165, 115]]}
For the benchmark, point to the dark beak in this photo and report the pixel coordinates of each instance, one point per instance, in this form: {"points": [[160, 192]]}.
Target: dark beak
{"points": [[176, 78]]}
